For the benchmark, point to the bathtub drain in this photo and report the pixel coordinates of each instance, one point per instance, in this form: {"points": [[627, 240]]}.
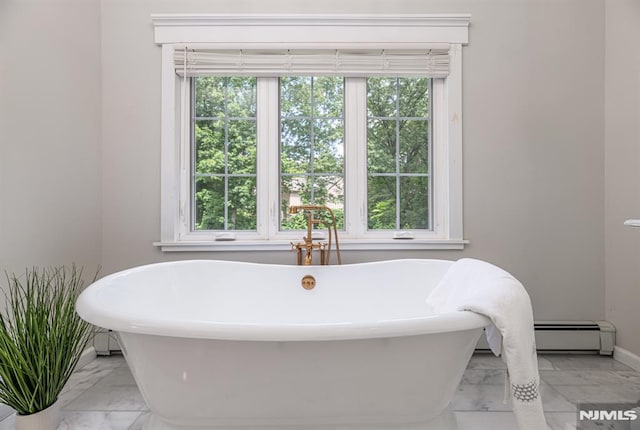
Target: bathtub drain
{"points": [[308, 282]]}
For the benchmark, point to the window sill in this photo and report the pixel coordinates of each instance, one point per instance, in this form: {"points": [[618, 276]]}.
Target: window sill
{"points": [[285, 245]]}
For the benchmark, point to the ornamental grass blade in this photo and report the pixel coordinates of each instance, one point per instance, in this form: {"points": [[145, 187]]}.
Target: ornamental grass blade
{"points": [[41, 337]]}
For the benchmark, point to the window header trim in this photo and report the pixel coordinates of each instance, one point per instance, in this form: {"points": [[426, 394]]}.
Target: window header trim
{"points": [[344, 31]]}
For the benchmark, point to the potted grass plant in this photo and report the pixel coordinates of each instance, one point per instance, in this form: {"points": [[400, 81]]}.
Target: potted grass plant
{"points": [[41, 340]]}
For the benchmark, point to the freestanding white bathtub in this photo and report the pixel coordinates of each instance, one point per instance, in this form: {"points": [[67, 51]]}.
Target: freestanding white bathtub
{"points": [[226, 345]]}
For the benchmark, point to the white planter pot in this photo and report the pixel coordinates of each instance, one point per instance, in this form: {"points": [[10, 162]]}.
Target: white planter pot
{"points": [[48, 419]]}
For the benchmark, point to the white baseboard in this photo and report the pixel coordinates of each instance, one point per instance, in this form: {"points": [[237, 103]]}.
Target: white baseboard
{"points": [[88, 355], [626, 357]]}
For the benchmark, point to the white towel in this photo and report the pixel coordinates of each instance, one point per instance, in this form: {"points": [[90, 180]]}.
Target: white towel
{"points": [[481, 287]]}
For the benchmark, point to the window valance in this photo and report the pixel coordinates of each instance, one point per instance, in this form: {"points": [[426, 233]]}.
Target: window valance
{"points": [[432, 63]]}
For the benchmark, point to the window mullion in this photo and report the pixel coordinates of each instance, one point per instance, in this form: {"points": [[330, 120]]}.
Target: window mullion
{"points": [[440, 158], [226, 153], [397, 160], [188, 153], [184, 155]]}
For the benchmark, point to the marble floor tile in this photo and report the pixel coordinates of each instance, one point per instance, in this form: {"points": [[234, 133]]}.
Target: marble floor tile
{"points": [[585, 362], [97, 420], [561, 420], [139, 422], [90, 375], [486, 398], [104, 362], [85, 379], [489, 361], [580, 377], [490, 398], [8, 423], [544, 363], [484, 376], [507, 420], [486, 361], [628, 376], [486, 421], [118, 376], [618, 393], [554, 401], [69, 396], [109, 398], [5, 411]]}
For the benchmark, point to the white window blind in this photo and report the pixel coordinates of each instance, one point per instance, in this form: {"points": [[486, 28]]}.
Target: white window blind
{"points": [[432, 63]]}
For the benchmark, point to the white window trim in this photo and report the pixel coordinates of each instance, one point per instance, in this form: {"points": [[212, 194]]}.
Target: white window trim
{"points": [[173, 31]]}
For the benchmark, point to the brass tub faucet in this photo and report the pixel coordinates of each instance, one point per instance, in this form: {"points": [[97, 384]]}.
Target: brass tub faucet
{"points": [[308, 245]]}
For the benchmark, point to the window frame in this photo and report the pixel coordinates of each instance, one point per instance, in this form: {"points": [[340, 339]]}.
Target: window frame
{"points": [[345, 31]]}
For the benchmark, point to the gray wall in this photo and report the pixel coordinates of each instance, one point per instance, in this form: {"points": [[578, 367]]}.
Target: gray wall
{"points": [[50, 136], [622, 161], [533, 95], [80, 150]]}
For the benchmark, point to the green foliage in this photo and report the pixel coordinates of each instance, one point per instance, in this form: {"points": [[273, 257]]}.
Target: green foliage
{"points": [[398, 153], [312, 150], [383, 215], [382, 204], [312, 144], [225, 153], [41, 337], [295, 222], [299, 221]]}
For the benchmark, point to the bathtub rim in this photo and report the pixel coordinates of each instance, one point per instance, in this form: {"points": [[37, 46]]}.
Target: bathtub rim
{"points": [[88, 308]]}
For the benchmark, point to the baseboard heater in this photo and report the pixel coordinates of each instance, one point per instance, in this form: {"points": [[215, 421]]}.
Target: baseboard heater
{"points": [[105, 342], [551, 336], [571, 336]]}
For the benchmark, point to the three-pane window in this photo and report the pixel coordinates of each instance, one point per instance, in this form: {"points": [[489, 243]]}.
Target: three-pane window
{"points": [[314, 157], [259, 114]]}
